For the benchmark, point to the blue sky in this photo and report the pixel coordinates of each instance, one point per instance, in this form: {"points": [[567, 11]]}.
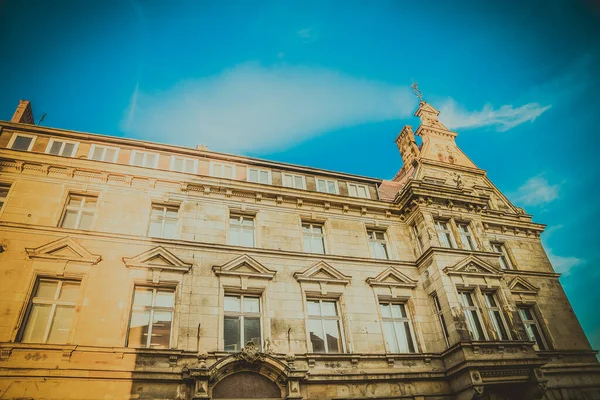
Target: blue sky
{"points": [[327, 85]]}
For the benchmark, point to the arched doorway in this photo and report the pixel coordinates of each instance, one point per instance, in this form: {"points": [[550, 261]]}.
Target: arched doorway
{"points": [[246, 385]]}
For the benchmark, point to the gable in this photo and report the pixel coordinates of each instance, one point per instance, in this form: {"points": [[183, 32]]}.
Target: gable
{"points": [[244, 265], [472, 265], [65, 249], [392, 277], [322, 272], [521, 285], [158, 257]]}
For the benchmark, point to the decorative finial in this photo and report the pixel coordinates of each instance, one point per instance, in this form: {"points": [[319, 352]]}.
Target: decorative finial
{"points": [[416, 91]]}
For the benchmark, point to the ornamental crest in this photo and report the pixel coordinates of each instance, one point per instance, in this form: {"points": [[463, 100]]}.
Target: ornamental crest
{"points": [[250, 353]]}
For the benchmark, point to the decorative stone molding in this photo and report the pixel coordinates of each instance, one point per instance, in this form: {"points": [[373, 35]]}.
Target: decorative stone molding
{"points": [[245, 265], [157, 258], [322, 272], [392, 277], [521, 285], [472, 265], [65, 249]]}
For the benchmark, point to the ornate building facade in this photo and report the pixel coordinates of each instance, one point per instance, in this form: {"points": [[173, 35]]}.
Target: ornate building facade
{"points": [[137, 270]]}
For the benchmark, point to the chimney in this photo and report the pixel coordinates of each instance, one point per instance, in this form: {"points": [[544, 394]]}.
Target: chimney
{"points": [[23, 113]]}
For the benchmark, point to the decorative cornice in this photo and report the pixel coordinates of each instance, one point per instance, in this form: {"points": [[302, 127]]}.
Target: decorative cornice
{"points": [[157, 258], [323, 273], [522, 285], [244, 265], [472, 265], [65, 249], [392, 277]]}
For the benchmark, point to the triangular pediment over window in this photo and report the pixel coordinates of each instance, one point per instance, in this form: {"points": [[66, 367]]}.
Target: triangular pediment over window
{"points": [[472, 265], [392, 277], [65, 249], [244, 265], [521, 285], [322, 272], [157, 258]]}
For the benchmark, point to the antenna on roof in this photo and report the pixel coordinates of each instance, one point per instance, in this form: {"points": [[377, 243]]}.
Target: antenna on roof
{"points": [[42, 118]]}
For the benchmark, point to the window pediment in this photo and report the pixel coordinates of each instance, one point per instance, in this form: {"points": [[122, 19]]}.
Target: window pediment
{"points": [[157, 258], [472, 265], [392, 277], [244, 265], [65, 249], [322, 272], [521, 285]]}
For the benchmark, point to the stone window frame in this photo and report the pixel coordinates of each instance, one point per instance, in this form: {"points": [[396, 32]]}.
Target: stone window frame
{"points": [[495, 293], [4, 200], [145, 154], [477, 307], [326, 180], [194, 161], [450, 232], [311, 222], [443, 326], [157, 284], [408, 303], [507, 253], [14, 138], [342, 321], [474, 246], [380, 229], [36, 275], [64, 142], [74, 192], [95, 146], [241, 213], [416, 235], [247, 292], [357, 185], [283, 175], [482, 310], [163, 204], [259, 170], [541, 323], [222, 164]]}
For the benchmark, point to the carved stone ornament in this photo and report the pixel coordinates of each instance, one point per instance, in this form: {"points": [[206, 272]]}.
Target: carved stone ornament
{"points": [[250, 353]]}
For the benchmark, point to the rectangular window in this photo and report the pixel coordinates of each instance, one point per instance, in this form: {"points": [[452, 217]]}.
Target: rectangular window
{"points": [[445, 234], [4, 189], [163, 221], [62, 148], [324, 326], [258, 175], [504, 260], [418, 238], [294, 181], [20, 141], [466, 237], [327, 186], [79, 212], [144, 159], [378, 244], [496, 316], [532, 327], [438, 310], [241, 230], [220, 170], [103, 153], [313, 238], [397, 328], [356, 190], [151, 318], [184, 164], [51, 311], [242, 322], [472, 315]]}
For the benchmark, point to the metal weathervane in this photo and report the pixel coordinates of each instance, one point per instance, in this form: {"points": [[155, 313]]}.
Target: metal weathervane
{"points": [[416, 91]]}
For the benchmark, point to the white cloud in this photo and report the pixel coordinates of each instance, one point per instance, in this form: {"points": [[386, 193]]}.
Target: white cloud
{"points": [[536, 191], [251, 107], [308, 35], [563, 265], [502, 119]]}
